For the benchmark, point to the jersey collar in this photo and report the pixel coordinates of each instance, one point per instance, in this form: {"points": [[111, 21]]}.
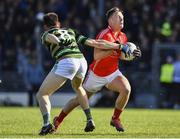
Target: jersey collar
{"points": [[113, 34]]}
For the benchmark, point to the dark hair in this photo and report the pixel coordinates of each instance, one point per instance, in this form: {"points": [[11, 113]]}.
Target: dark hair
{"points": [[112, 11], [50, 19]]}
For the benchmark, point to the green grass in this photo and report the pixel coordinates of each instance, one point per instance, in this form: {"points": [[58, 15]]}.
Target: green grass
{"points": [[138, 123]]}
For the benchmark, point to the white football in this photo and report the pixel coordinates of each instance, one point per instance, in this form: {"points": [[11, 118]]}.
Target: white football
{"points": [[132, 48]]}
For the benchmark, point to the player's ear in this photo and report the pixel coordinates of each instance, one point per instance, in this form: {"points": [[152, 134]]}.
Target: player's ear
{"points": [[58, 24]]}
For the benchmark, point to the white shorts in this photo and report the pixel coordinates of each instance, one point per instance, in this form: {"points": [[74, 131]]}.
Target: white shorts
{"points": [[71, 67], [94, 83]]}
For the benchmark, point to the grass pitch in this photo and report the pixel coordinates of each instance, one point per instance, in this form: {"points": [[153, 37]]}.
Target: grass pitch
{"points": [[19, 122]]}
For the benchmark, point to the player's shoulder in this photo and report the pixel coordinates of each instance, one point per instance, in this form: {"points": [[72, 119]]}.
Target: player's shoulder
{"points": [[123, 34], [72, 31], [123, 37], [103, 33], [51, 30]]}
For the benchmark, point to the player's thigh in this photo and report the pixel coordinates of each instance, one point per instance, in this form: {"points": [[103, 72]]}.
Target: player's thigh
{"points": [[119, 84], [51, 83], [93, 83]]}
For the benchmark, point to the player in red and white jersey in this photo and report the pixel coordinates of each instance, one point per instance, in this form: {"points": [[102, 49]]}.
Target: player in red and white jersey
{"points": [[104, 70], [107, 62]]}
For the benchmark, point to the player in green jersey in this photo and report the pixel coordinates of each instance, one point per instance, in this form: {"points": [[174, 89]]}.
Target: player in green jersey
{"points": [[70, 64]]}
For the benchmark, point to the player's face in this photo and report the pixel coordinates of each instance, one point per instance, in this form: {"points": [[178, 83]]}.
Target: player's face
{"points": [[117, 21]]}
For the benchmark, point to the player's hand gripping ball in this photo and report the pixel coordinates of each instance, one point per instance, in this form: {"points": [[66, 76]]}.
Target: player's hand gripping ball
{"points": [[132, 52]]}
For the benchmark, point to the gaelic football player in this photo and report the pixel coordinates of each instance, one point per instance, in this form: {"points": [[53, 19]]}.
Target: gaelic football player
{"points": [[104, 70]]}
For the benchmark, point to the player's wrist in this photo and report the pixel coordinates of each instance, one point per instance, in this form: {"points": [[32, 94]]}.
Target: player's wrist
{"points": [[120, 46], [125, 48]]}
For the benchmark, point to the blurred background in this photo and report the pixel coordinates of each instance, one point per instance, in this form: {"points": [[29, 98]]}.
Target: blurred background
{"points": [[153, 25]]}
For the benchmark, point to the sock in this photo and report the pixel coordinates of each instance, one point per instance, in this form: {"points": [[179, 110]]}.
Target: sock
{"points": [[61, 116], [116, 114], [88, 114], [46, 119]]}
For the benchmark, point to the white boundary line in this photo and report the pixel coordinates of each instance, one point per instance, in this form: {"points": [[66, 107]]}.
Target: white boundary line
{"points": [[86, 138]]}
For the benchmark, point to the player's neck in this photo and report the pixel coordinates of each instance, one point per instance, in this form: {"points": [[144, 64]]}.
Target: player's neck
{"points": [[115, 31], [53, 27]]}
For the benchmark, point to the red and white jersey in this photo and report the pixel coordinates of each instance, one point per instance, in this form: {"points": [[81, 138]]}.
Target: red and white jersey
{"points": [[109, 64]]}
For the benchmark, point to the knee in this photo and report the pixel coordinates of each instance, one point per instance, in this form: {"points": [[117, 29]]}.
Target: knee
{"points": [[126, 91], [76, 88], [39, 94], [80, 90]]}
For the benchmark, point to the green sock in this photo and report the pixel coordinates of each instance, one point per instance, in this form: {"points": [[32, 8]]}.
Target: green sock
{"points": [[88, 114], [46, 119]]}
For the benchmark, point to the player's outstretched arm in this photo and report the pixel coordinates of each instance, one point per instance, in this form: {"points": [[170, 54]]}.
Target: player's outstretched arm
{"points": [[102, 44]]}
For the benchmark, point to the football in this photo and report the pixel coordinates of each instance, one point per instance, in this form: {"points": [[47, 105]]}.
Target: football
{"points": [[131, 57]]}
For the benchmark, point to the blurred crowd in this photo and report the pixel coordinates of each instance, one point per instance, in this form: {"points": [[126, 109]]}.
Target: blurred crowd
{"points": [[147, 23]]}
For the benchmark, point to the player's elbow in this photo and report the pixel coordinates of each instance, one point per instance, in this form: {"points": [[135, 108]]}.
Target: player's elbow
{"points": [[92, 43]]}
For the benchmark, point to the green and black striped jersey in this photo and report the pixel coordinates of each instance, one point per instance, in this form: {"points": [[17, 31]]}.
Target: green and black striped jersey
{"points": [[64, 49]]}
